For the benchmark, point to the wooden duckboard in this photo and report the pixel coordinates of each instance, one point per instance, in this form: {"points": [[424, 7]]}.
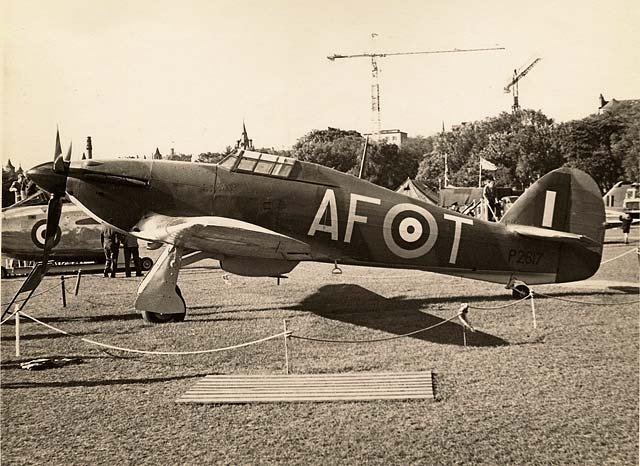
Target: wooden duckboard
{"points": [[225, 389]]}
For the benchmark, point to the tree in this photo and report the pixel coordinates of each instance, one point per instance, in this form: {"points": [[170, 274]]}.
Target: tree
{"points": [[520, 145], [587, 144], [334, 148]]}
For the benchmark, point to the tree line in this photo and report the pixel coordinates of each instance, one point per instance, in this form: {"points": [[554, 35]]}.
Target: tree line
{"points": [[524, 147]]}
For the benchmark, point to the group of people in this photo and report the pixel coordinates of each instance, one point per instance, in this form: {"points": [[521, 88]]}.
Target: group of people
{"points": [[111, 241], [21, 187]]}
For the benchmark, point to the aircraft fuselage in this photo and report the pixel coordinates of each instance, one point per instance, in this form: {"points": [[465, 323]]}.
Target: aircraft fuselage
{"points": [[342, 218]]}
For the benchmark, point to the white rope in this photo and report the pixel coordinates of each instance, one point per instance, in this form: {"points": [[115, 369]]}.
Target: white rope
{"points": [[590, 303], [501, 307], [395, 337], [130, 350]]}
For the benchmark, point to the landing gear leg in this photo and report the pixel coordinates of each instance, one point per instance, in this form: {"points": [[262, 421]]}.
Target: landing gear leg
{"points": [[159, 297]]}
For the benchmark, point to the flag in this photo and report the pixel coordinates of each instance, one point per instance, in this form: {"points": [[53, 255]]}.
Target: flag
{"points": [[486, 165]]}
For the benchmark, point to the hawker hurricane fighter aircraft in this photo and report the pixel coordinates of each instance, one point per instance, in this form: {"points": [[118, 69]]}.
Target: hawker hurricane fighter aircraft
{"points": [[261, 214]]}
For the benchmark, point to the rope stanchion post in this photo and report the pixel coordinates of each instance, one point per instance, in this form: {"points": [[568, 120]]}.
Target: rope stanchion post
{"points": [[64, 292], [17, 328], [462, 317], [286, 348], [464, 336], [533, 310], [77, 288]]}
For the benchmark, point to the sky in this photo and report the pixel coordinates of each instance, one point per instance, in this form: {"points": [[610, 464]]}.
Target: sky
{"points": [[140, 74]]}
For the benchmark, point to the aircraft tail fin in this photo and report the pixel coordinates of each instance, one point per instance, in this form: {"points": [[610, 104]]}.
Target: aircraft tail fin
{"points": [[564, 206]]}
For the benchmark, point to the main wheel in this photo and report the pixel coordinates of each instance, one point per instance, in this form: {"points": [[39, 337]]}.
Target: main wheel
{"points": [[160, 318], [520, 291], [146, 263], [4, 272]]}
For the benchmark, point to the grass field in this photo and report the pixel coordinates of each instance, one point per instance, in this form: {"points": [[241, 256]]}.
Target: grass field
{"points": [[564, 393]]}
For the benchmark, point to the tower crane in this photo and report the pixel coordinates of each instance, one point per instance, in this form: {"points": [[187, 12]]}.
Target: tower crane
{"points": [[512, 85], [375, 86]]}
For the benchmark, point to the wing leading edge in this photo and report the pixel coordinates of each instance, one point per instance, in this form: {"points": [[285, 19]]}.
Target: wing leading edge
{"points": [[222, 237]]}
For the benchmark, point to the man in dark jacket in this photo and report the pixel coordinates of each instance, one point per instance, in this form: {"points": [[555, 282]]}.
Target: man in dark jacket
{"points": [[111, 246], [131, 249]]}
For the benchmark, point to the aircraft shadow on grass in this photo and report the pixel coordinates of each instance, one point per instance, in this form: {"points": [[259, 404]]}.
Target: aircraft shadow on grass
{"points": [[356, 305]]}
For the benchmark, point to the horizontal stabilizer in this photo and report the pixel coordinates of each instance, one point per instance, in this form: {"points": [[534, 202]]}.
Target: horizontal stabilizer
{"points": [[553, 235]]}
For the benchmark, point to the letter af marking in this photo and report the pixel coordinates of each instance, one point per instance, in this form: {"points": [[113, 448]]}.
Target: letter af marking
{"points": [[353, 205], [328, 202]]}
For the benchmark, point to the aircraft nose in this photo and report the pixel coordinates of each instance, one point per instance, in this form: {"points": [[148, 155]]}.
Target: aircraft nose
{"points": [[44, 176]]}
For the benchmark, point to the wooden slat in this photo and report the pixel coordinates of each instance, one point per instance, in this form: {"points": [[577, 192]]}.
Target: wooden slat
{"points": [[310, 388]]}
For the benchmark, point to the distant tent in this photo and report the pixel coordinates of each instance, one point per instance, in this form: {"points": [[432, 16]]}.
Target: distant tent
{"points": [[460, 196], [418, 190], [157, 155]]}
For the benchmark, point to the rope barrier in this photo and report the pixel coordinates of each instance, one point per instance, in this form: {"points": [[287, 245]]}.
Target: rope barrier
{"points": [[587, 302], [131, 350], [32, 296], [395, 337], [501, 307], [619, 256], [8, 318]]}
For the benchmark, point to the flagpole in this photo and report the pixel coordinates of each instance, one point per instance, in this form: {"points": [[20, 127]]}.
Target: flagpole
{"points": [[446, 171]]}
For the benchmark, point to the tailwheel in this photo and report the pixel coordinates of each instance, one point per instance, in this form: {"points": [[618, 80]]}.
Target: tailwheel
{"points": [[520, 291], [160, 318]]}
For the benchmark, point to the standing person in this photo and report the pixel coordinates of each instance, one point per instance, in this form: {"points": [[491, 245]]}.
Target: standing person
{"points": [[626, 226], [489, 196], [131, 249], [17, 187], [111, 246]]}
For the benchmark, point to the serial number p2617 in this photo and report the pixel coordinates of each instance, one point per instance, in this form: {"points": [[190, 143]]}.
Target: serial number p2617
{"points": [[524, 256]]}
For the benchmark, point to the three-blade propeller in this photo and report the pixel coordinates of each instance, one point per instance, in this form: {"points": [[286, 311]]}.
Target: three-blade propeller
{"points": [[54, 209]]}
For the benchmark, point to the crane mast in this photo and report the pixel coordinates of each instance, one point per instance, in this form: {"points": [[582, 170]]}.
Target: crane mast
{"points": [[512, 85], [375, 84]]}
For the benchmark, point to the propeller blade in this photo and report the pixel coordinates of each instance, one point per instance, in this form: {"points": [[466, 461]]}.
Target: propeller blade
{"points": [[58, 150], [54, 210], [68, 156]]}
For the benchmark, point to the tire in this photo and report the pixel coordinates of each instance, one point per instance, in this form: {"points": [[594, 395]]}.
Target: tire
{"points": [[146, 263], [520, 292], [159, 318], [5, 274], [156, 317]]}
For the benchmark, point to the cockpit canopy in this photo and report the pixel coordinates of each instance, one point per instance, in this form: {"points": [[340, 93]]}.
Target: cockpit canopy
{"points": [[256, 162]]}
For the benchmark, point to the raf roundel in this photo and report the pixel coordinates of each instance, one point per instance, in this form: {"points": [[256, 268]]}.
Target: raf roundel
{"points": [[409, 231], [38, 234]]}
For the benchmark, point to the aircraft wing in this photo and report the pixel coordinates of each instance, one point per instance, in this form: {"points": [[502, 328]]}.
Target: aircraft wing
{"points": [[222, 236]]}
